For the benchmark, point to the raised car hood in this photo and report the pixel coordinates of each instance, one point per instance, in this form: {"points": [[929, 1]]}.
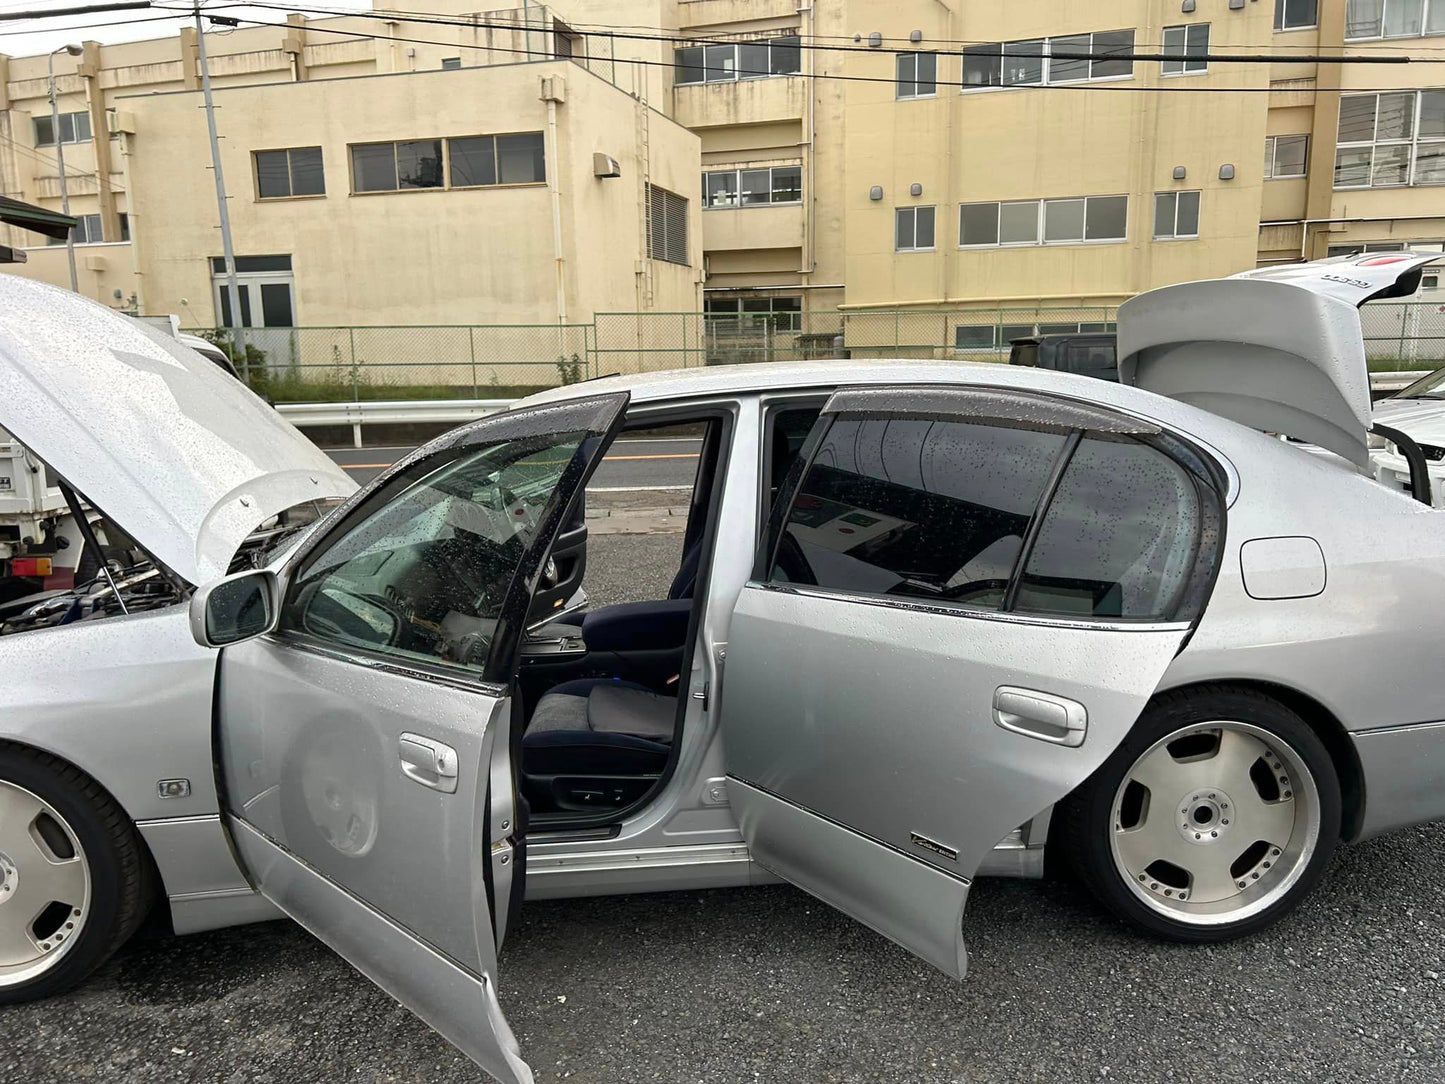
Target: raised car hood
{"points": [[1278, 349], [1422, 419], [185, 458]]}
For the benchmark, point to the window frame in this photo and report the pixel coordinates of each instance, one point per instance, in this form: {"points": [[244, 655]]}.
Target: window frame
{"points": [[664, 251], [1040, 236], [1211, 481], [780, 43], [46, 118], [1271, 157], [912, 211], [1045, 55], [1414, 141], [83, 223], [737, 172], [1281, 19], [290, 174], [1185, 58], [1427, 10], [913, 81], [1198, 215], [446, 163]]}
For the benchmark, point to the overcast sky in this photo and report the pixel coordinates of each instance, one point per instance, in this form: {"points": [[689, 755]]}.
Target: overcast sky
{"points": [[42, 35]]}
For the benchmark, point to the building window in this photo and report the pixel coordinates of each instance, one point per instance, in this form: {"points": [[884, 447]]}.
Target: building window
{"points": [[975, 337], [1394, 18], [1036, 62], [1070, 221], [753, 313], [478, 161], [917, 75], [1176, 216], [752, 187], [913, 229], [451, 63], [470, 162], [289, 173], [1295, 14], [1390, 140], [74, 128], [1286, 156], [666, 226], [737, 60], [1189, 48], [124, 226], [87, 231]]}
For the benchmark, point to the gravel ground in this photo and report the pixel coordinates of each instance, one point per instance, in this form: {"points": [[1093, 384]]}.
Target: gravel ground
{"points": [[767, 984]]}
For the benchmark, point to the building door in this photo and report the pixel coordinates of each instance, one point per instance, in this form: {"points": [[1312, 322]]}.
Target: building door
{"points": [[267, 292]]}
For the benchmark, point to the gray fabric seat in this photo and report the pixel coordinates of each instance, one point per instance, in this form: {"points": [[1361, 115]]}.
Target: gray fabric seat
{"points": [[612, 730]]}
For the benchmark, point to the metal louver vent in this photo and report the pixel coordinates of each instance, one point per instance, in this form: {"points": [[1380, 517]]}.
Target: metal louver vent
{"points": [[666, 225]]}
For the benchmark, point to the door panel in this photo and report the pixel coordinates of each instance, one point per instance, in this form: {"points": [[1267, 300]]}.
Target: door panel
{"points": [[890, 712], [365, 748], [881, 717], [315, 765]]}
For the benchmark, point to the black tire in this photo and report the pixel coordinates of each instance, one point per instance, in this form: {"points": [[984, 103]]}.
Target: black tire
{"points": [[121, 875], [1084, 822]]}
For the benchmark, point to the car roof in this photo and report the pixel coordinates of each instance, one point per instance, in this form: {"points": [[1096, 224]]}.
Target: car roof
{"points": [[766, 377]]}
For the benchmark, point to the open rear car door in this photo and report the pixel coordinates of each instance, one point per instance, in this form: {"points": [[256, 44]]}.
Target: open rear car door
{"points": [[919, 665], [365, 732]]}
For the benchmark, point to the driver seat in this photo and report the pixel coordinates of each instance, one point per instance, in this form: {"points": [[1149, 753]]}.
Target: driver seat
{"points": [[599, 727]]}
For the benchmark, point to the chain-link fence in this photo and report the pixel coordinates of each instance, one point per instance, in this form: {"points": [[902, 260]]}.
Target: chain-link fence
{"points": [[1404, 334], [484, 361]]}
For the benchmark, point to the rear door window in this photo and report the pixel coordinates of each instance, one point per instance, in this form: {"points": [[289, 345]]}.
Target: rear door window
{"points": [[1119, 538], [917, 507]]}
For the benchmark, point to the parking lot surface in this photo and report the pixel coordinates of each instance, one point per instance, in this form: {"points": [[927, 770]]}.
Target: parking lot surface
{"points": [[767, 984]]}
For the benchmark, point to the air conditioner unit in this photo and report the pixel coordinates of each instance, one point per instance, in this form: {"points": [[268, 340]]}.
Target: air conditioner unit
{"points": [[604, 165]]}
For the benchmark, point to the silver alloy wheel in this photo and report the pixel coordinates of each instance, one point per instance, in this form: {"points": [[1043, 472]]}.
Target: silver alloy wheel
{"points": [[44, 885], [1215, 822]]}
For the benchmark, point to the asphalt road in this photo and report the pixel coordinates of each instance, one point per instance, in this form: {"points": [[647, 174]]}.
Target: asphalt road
{"points": [[767, 984], [629, 464]]}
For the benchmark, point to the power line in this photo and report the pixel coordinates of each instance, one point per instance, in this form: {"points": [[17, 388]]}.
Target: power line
{"points": [[84, 9], [42, 160], [696, 40], [539, 55], [97, 26], [675, 35]]}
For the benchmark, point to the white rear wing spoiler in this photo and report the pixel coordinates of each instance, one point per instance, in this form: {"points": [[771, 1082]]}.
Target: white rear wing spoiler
{"points": [[1279, 349]]}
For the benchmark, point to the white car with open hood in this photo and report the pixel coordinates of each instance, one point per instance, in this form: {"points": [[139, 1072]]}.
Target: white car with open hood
{"points": [[929, 621]]}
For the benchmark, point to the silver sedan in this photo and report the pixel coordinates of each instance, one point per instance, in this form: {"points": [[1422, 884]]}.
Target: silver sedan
{"points": [[929, 622]]}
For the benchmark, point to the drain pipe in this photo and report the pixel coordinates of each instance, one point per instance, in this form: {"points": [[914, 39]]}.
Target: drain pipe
{"points": [[550, 91]]}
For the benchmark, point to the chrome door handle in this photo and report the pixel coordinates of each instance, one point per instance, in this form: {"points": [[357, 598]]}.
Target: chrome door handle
{"points": [[1050, 718], [428, 762]]}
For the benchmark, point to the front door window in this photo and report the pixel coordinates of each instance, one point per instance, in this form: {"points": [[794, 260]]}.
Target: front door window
{"points": [[424, 573]]}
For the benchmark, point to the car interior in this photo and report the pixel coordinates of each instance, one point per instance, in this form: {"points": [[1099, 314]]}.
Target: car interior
{"points": [[599, 685]]}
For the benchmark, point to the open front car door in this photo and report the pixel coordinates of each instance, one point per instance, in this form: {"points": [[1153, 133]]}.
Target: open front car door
{"points": [[365, 738], [964, 601]]}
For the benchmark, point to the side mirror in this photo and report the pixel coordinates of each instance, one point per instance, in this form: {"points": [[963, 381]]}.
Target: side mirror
{"points": [[235, 608]]}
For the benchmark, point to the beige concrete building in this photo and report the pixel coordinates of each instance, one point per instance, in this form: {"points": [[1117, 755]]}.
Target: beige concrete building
{"points": [[937, 157], [395, 181]]}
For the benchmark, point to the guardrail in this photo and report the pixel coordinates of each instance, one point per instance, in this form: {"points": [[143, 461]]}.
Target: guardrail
{"points": [[402, 411], [457, 411], [1392, 382]]}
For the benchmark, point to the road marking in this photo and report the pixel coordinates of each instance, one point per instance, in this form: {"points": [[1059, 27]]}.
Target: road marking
{"points": [[631, 489], [605, 459], [655, 455]]}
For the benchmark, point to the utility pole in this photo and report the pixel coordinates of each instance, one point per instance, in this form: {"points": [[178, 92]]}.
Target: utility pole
{"points": [[228, 252], [72, 50]]}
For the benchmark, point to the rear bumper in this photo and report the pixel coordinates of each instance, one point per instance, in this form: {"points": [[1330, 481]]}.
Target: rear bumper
{"points": [[1404, 775]]}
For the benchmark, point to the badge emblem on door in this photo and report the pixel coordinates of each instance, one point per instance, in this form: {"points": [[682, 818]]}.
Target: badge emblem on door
{"points": [[934, 846]]}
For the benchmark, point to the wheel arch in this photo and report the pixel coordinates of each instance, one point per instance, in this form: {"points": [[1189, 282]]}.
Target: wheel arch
{"points": [[1324, 723], [153, 879]]}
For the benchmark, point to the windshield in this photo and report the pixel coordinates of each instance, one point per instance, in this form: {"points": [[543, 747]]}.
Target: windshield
{"points": [[1427, 387]]}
